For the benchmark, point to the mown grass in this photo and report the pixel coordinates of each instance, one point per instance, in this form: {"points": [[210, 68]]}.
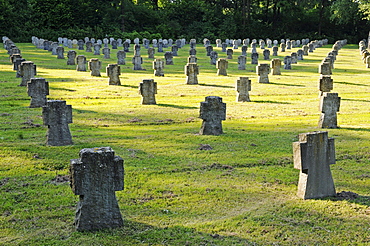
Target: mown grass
{"points": [[242, 192]]}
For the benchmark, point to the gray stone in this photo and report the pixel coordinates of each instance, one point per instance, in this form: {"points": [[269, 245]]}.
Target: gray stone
{"points": [[121, 56], [263, 71], [223, 47], [80, 44], [57, 115], [37, 89], [168, 57], [329, 106], [60, 52], [243, 86], [288, 62], [174, 50], [294, 56], [89, 46], [325, 68], [213, 57], [212, 112], [244, 50], [71, 55], [305, 50], [300, 54], [106, 52], [151, 52], [27, 70], [222, 65], [254, 58], [229, 53], [137, 61], [158, 66], [266, 54], [209, 49], [94, 67], [192, 59], [325, 84], [192, 52], [191, 71], [81, 63], [242, 60], [282, 47], [95, 177], [97, 48], [16, 66], [113, 72], [275, 66], [137, 49], [313, 155], [275, 50], [148, 89]]}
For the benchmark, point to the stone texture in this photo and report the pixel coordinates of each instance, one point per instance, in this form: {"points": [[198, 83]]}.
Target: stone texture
{"points": [[81, 63], [148, 89], [27, 70], [95, 177], [71, 55], [243, 86], [212, 112], [275, 66], [263, 71], [158, 66], [37, 89], [113, 72], [94, 67], [313, 155], [191, 71], [329, 106], [57, 115], [221, 66]]}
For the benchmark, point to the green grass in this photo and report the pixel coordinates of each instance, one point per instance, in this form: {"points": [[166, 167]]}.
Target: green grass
{"points": [[242, 192]]}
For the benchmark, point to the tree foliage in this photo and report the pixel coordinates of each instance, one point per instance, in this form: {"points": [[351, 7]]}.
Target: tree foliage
{"points": [[333, 19]]}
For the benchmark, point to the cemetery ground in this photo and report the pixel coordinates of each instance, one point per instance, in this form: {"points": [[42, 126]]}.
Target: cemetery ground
{"points": [[178, 191]]}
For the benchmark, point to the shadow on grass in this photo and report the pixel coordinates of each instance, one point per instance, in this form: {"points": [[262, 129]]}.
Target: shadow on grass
{"points": [[362, 200], [140, 233], [286, 84], [61, 89], [221, 86], [348, 83], [175, 106], [355, 129], [354, 100], [131, 86], [267, 101]]}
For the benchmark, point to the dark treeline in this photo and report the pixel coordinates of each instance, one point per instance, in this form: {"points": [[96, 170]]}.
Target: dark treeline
{"points": [[49, 19]]}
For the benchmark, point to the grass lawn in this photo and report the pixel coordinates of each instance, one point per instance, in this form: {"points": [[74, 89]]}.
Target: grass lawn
{"points": [[242, 192]]}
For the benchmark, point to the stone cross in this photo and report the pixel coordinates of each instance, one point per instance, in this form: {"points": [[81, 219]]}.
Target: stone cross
{"points": [[88, 46], [266, 54], [151, 52], [300, 54], [329, 106], [262, 44], [275, 50], [94, 67], [305, 50], [325, 84], [192, 59], [229, 53], [168, 57], [221, 66], [192, 52], [254, 58], [275, 66], [213, 57], [121, 55], [263, 71], [60, 52], [191, 71], [16, 66], [71, 55], [282, 47], [243, 86], [81, 63], [158, 66], [242, 60], [325, 68], [288, 45], [95, 177], [106, 52], [57, 115], [113, 72], [209, 49], [244, 50], [97, 49], [80, 44], [148, 89], [313, 155], [160, 46], [126, 46], [174, 50], [137, 61], [254, 47], [294, 56], [288, 62], [212, 112], [37, 89], [137, 49], [114, 44], [27, 70], [218, 43], [13, 58], [223, 47], [54, 46]]}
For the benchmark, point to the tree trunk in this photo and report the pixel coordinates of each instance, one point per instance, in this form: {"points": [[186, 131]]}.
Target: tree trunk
{"points": [[122, 16]]}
